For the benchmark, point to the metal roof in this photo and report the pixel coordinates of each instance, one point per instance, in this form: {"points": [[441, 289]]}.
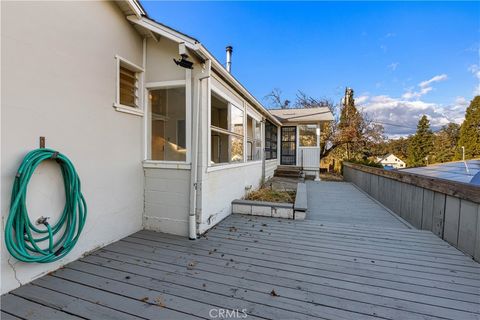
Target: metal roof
{"points": [[456, 171], [302, 115]]}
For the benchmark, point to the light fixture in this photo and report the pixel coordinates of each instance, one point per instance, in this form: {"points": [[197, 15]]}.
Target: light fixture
{"points": [[183, 62]]}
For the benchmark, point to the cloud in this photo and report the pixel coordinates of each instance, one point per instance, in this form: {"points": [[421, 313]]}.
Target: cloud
{"points": [[400, 116], [424, 87], [475, 70], [393, 66], [438, 78], [361, 99]]}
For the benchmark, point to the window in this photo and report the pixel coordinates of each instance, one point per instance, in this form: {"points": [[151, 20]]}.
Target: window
{"points": [[129, 79], [226, 137], [181, 138], [128, 87], [308, 135], [270, 140], [254, 139], [166, 118]]}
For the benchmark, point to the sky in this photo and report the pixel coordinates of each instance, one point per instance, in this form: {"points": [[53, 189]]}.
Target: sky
{"points": [[403, 59]]}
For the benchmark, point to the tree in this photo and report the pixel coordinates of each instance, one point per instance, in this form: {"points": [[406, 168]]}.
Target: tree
{"points": [[398, 147], [303, 101], [421, 144], [470, 131], [445, 143], [276, 100], [356, 132], [356, 129]]}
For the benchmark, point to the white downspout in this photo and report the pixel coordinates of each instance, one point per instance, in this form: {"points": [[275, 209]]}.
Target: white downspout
{"points": [[192, 218]]}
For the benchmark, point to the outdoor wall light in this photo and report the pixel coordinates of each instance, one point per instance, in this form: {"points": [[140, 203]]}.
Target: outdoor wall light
{"points": [[183, 62]]}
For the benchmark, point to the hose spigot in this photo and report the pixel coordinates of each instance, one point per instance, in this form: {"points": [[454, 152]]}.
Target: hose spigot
{"points": [[43, 220]]}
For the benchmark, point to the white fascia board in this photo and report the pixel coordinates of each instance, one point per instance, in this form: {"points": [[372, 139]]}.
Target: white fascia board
{"points": [[164, 31], [237, 85], [136, 8]]}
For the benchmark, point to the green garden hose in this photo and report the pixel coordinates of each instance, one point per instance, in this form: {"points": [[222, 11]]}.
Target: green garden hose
{"points": [[22, 237]]}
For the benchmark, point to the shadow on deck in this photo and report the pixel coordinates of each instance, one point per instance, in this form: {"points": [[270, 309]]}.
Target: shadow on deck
{"points": [[269, 268]]}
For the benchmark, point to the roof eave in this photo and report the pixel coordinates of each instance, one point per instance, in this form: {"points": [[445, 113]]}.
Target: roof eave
{"points": [[137, 8], [236, 84], [194, 45]]}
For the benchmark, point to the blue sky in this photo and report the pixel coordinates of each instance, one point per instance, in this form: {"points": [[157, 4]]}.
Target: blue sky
{"points": [[403, 59]]}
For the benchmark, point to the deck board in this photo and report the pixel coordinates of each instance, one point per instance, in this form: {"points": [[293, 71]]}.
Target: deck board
{"points": [[375, 267], [342, 202]]}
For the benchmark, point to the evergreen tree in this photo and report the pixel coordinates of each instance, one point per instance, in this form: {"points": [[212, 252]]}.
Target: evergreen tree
{"points": [[445, 143], [421, 144], [350, 124], [470, 131]]}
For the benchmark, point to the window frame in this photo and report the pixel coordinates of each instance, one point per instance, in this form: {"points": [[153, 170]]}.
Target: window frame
{"points": [[316, 135], [252, 141], [229, 132], [139, 71], [148, 138], [268, 151]]}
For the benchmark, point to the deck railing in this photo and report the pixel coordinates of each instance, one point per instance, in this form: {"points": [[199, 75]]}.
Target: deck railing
{"points": [[449, 209]]}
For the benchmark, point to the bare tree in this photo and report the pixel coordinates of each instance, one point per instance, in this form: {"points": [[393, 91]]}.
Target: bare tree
{"points": [[276, 100], [352, 131], [305, 101]]}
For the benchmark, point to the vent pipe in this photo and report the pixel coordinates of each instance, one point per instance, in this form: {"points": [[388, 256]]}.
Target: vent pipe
{"points": [[229, 50]]}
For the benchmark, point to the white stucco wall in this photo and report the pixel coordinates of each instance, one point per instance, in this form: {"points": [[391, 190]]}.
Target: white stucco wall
{"points": [[58, 81], [160, 65], [220, 187], [223, 183]]}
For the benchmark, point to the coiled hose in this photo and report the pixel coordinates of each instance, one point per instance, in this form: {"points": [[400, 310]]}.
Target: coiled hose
{"points": [[22, 237]]}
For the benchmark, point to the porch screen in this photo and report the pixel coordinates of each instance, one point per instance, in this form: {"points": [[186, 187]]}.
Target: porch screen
{"points": [[308, 135], [270, 140], [167, 124], [254, 139], [226, 131]]}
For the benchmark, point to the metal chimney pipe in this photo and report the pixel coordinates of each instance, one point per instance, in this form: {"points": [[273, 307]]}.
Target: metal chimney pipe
{"points": [[229, 50]]}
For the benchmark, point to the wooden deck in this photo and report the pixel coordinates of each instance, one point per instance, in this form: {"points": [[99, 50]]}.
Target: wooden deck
{"points": [[343, 202], [272, 268]]}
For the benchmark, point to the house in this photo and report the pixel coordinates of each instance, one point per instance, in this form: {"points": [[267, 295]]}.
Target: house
{"points": [[300, 136], [392, 161], [162, 134]]}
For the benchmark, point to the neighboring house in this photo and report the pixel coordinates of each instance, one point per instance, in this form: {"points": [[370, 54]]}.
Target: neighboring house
{"points": [[157, 145], [391, 160]]}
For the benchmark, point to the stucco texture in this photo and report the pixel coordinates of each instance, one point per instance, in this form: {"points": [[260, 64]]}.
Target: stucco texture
{"points": [[59, 81]]}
